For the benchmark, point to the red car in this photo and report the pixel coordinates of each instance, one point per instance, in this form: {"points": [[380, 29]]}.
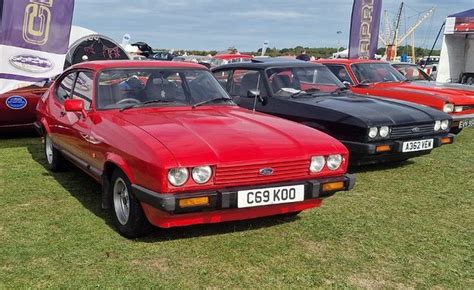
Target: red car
{"points": [[170, 148], [379, 78], [18, 108]]}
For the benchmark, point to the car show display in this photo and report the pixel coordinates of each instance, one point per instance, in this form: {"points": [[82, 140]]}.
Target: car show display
{"points": [[170, 147], [373, 129], [381, 79]]}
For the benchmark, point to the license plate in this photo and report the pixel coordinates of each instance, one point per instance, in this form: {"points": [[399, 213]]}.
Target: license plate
{"points": [[271, 195], [419, 145], [466, 123]]}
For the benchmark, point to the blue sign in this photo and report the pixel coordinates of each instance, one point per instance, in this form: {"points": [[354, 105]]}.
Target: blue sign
{"points": [[16, 102]]}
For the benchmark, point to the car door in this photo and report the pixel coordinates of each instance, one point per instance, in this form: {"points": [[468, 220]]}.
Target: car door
{"points": [[241, 81], [80, 123], [57, 118]]}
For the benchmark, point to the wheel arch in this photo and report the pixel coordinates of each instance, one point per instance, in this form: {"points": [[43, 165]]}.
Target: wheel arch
{"points": [[112, 163]]}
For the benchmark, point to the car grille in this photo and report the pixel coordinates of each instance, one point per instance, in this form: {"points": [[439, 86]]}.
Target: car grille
{"points": [[247, 174], [411, 131]]}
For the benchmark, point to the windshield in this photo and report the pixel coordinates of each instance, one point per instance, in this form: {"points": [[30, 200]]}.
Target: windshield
{"points": [[376, 73], [412, 73], [314, 79], [119, 88]]}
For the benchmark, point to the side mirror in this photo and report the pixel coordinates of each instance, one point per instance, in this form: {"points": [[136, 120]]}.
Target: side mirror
{"points": [[253, 93], [347, 84], [74, 105], [256, 94]]}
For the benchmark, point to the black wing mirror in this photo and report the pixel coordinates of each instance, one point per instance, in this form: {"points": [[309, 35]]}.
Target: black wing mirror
{"points": [[256, 94]]}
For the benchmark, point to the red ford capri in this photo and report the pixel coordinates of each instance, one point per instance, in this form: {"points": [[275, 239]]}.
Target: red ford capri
{"points": [[170, 148]]}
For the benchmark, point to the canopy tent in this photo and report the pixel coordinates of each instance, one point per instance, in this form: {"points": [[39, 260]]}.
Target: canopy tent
{"points": [[94, 47], [456, 62]]}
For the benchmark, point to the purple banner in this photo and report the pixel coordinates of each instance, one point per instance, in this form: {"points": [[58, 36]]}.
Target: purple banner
{"points": [[42, 25], [365, 24]]}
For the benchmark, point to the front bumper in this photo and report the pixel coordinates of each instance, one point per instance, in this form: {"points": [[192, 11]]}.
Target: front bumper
{"points": [[457, 119], [224, 199], [366, 153]]}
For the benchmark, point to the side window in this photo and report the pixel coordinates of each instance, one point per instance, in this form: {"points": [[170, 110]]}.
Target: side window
{"points": [[83, 89], [223, 78], [245, 80], [341, 73], [64, 88]]}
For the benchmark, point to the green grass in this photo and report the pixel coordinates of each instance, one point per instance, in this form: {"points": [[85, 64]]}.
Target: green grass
{"points": [[409, 225]]}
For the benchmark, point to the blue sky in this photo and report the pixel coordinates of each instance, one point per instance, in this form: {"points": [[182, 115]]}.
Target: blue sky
{"points": [[212, 24]]}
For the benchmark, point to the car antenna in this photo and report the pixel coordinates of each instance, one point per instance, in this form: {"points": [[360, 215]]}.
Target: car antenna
{"points": [[256, 97]]}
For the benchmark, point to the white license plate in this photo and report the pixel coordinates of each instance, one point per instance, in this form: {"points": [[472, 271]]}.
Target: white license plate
{"points": [[418, 145], [466, 123], [271, 195]]}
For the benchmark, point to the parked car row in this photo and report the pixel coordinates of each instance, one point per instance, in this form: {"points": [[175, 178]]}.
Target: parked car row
{"points": [[175, 144]]}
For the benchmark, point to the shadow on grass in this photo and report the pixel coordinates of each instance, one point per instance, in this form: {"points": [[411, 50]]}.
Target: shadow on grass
{"points": [[87, 191], [379, 167], [16, 139]]}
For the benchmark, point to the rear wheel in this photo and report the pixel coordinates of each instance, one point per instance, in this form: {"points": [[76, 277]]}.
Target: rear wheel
{"points": [[54, 158], [127, 212]]}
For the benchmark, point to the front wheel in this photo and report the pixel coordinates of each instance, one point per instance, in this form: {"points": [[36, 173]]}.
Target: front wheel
{"points": [[127, 212], [54, 158], [455, 130]]}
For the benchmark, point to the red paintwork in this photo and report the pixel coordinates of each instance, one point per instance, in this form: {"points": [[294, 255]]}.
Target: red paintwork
{"points": [[11, 120], [164, 220], [430, 95], [146, 142], [227, 56]]}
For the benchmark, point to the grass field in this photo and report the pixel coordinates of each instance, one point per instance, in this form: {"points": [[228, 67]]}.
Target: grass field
{"points": [[410, 225]]}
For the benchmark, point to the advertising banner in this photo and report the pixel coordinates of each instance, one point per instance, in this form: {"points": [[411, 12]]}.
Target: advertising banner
{"points": [[34, 39], [365, 25]]}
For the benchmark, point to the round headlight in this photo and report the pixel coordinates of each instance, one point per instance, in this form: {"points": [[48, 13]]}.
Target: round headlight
{"points": [[444, 124], [334, 161], [384, 131], [373, 132], [437, 125], [202, 174], [178, 176], [448, 108], [317, 163]]}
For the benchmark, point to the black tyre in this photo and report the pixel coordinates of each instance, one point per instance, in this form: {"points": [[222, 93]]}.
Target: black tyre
{"points": [[126, 210], [54, 158], [455, 130]]}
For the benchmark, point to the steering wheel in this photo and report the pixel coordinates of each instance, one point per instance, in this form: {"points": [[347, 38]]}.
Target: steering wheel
{"points": [[128, 100]]}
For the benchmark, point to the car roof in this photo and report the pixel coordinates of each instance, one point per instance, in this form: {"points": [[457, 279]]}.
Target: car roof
{"points": [[106, 64], [348, 61], [267, 63]]}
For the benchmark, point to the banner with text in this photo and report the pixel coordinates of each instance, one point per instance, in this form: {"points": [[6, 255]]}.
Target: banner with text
{"points": [[365, 25], [34, 39]]}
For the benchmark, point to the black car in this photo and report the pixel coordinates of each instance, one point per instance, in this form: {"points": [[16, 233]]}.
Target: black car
{"points": [[374, 130]]}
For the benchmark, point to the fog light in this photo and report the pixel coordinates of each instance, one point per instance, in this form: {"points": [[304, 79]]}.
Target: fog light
{"points": [[383, 148], [193, 201], [332, 186]]}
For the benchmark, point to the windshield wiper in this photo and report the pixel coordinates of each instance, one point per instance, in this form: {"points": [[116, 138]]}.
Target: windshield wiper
{"points": [[144, 103], [211, 100], [309, 93]]}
